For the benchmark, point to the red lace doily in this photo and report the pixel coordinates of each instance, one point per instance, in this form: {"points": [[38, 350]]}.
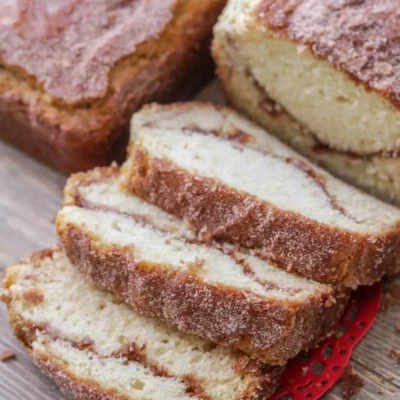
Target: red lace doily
{"points": [[311, 374]]}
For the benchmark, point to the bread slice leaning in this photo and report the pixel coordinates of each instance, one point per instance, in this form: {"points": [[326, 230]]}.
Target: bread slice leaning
{"points": [[153, 261], [96, 348], [233, 181]]}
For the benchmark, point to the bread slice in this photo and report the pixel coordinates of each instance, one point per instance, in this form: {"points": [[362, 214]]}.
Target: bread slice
{"points": [[73, 72], [95, 347], [322, 75], [233, 181], [152, 261]]}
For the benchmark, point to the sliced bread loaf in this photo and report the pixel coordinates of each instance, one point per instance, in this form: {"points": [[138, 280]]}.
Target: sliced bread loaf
{"points": [[233, 181], [153, 261], [96, 348]]}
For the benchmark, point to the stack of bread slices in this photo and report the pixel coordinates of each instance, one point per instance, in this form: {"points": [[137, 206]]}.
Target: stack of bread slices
{"points": [[198, 269]]}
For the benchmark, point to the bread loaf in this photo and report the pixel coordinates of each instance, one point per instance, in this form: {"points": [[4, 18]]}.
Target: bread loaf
{"points": [[72, 73]]}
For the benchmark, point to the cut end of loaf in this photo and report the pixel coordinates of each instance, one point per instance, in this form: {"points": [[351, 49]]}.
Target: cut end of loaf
{"points": [[216, 143], [92, 345], [331, 95]]}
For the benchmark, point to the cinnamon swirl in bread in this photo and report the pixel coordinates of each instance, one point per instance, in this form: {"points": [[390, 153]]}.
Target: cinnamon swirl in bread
{"points": [[233, 181], [154, 262], [96, 348], [324, 76]]}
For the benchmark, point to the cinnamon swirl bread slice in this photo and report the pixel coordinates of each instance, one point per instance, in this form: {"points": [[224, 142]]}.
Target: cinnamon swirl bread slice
{"points": [[323, 75], [95, 347], [154, 262], [234, 182]]}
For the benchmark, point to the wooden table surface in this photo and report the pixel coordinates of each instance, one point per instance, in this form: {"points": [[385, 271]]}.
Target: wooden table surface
{"points": [[30, 196]]}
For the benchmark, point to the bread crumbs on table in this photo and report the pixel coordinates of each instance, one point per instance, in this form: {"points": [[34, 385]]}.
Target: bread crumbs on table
{"points": [[395, 354], [351, 382], [6, 355]]}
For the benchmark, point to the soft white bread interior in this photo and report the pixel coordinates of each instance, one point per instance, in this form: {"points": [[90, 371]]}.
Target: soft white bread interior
{"points": [[154, 262], [226, 175], [95, 347], [300, 78], [112, 217], [217, 143]]}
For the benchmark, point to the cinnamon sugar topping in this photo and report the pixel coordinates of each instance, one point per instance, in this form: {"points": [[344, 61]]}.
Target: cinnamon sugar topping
{"points": [[69, 47], [267, 103], [33, 295], [360, 37]]}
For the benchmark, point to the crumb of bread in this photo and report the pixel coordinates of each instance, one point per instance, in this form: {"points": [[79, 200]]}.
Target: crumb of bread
{"points": [[6, 355], [395, 354], [390, 297], [351, 382]]}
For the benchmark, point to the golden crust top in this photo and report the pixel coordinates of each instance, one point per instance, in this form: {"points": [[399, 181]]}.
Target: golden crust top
{"points": [[360, 37], [70, 48]]}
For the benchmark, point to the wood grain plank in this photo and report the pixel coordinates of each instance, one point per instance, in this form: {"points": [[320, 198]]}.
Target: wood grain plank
{"points": [[30, 196], [19, 378]]}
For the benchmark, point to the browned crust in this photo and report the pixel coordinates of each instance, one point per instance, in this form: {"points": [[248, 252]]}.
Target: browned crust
{"points": [[80, 389], [268, 330], [317, 251], [71, 385], [264, 378], [86, 178], [77, 388], [366, 51], [74, 138]]}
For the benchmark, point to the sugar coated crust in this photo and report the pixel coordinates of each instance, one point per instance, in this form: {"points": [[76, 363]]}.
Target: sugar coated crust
{"points": [[269, 330], [361, 38], [70, 384], [69, 49], [82, 127], [262, 378], [318, 251]]}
